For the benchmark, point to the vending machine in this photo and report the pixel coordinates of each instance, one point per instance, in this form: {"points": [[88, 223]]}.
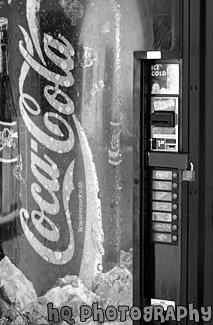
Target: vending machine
{"points": [[166, 166]]}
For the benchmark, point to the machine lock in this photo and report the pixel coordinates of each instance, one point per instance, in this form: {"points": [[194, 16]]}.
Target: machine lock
{"points": [[189, 174]]}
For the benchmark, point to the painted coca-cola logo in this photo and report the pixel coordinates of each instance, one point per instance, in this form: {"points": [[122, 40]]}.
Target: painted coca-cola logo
{"points": [[56, 142], [8, 142], [7, 137]]}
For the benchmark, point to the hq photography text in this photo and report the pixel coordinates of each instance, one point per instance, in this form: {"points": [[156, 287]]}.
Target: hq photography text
{"points": [[123, 313]]}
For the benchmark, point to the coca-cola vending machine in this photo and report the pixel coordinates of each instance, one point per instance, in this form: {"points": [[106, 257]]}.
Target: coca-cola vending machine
{"points": [[107, 153]]}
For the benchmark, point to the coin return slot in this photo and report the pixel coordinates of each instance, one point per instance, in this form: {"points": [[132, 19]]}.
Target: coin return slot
{"points": [[163, 119]]}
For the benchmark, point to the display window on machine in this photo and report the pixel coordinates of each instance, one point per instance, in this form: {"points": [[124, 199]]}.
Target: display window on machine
{"points": [[164, 101]]}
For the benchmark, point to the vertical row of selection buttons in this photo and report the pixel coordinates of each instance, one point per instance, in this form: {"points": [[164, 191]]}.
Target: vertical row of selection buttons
{"points": [[165, 207]]}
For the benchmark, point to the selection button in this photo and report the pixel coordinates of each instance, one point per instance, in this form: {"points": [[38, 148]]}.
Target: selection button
{"points": [[162, 196], [162, 238], [174, 238], [174, 175], [162, 216], [162, 185], [161, 206], [174, 206], [161, 227], [162, 174], [174, 217], [174, 186]]}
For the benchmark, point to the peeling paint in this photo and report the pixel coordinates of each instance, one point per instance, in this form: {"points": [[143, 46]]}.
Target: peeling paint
{"points": [[73, 9], [97, 87], [106, 28], [89, 56], [17, 171]]}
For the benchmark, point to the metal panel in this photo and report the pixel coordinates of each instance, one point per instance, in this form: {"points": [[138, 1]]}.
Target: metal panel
{"points": [[138, 256], [206, 117], [171, 160], [195, 227], [185, 146]]}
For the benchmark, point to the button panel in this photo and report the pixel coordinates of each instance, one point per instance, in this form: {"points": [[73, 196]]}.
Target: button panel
{"points": [[165, 206]]}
